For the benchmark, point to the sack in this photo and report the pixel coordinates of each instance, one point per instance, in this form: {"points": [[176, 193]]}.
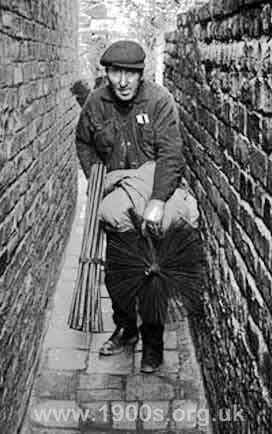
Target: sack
{"points": [[134, 190], [182, 205]]}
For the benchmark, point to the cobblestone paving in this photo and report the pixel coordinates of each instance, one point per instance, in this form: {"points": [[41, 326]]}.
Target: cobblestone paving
{"points": [[76, 391]]}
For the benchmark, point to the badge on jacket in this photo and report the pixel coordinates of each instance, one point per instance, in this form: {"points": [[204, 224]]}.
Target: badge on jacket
{"points": [[142, 118]]}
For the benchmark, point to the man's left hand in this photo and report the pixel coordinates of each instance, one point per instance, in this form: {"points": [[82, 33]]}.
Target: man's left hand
{"points": [[153, 216]]}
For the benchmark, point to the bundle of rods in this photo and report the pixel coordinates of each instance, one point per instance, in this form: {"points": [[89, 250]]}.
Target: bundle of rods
{"points": [[85, 312]]}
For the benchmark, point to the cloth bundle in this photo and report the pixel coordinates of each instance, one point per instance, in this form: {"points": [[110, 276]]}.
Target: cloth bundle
{"points": [[133, 188]]}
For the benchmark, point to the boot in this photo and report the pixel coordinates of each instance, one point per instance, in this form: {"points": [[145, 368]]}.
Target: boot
{"points": [[119, 341], [152, 335]]}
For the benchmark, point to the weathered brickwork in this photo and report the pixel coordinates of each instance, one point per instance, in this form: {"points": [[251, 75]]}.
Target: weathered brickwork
{"points": [[38, 44], [219, 67]]}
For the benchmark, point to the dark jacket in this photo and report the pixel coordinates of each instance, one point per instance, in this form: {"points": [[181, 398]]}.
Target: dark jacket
{"points": [[127, 135]]}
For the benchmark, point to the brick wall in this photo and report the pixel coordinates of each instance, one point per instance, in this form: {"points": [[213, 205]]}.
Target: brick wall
{"points": [[38, 43], [218, 66]]}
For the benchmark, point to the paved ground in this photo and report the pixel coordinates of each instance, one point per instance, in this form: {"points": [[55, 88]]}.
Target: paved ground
{"points": [[76, 391]]}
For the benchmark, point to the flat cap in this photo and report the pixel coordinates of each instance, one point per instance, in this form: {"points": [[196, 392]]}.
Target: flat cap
{"points": [[125, 54]]}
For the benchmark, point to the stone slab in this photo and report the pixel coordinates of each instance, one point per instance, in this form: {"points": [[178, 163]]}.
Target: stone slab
{"points": [[68, 275], [56, 385], [55, 414], [108, 324], [188, 370], [171, 326], [119, 364], [59, 338], [71, 261], [124, 415], [100, 381], [99, 394], [74, 245], [66, 359], [170, 340], [59, 318], [39, 430], [190, 389], [106, 305], [148, 387], [97, 417], [184, 414], [104, 291], [154, 415]]}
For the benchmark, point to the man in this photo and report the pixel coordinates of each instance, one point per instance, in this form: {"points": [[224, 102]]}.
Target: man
{"points": [[124, 124]]}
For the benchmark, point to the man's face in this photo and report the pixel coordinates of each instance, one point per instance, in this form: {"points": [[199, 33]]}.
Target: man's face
{"points": [[124, 82]]}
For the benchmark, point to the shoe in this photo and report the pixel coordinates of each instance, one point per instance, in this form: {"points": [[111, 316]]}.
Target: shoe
{"points": [[119, 341], [151, 360]]}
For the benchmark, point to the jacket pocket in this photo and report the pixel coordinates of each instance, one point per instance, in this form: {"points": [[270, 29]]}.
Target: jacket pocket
{"points": [[105, 138], [147, 134], [147, 142]]}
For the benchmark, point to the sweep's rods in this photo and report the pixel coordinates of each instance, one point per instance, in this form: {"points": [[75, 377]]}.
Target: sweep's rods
{"points": [[96, 317], [91, 240], [85, 258], [94, 251], [80, 306], [73, 316]]}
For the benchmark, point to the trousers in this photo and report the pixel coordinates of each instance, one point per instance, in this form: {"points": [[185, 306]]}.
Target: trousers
{"points": [[152, 333], [119, 290]]}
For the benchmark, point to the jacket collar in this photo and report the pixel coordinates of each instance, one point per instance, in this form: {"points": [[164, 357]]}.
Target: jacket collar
{"points": [[141, 95]]}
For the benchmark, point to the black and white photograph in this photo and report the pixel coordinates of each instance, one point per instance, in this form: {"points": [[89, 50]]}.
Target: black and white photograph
{"points": [[135, 217]]}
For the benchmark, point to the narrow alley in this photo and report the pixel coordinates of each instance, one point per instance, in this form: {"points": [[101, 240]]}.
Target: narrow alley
{"points": [[215, 58], [72, 379]]}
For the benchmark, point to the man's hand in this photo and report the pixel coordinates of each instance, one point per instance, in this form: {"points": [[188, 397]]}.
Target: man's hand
{"points": [[153, 216]]}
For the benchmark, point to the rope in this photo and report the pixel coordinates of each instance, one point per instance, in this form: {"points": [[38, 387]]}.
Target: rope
{"points": [[95, 260]]}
